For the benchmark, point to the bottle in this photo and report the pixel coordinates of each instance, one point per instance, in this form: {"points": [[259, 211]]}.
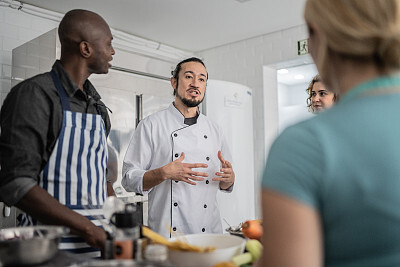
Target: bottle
{"points": [[126, 233]]}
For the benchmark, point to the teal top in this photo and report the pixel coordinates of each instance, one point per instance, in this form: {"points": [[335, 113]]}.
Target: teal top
{"points": [[345, 163]]}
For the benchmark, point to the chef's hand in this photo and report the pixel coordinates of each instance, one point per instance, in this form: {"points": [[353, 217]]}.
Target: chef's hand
{"points": [[179, 171], [226, 175]]}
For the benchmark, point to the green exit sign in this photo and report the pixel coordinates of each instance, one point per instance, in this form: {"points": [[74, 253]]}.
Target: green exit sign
{"points": [[302, 47]]}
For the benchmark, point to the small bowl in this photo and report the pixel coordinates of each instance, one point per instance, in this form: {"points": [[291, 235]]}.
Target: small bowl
{"points": [[227, 246], [29, 245]]}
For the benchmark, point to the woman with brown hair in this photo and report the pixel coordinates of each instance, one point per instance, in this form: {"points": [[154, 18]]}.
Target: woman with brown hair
{"points": [[319, 98]]}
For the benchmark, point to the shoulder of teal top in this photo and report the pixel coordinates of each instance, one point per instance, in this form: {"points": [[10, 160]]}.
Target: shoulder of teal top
{"points": [[380, 82]]}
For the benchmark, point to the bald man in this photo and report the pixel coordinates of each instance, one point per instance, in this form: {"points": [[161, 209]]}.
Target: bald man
{"points": [[53, 148]]}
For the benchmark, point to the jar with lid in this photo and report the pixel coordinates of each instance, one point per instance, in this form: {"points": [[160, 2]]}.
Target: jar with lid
{"points": [[127, 231]]}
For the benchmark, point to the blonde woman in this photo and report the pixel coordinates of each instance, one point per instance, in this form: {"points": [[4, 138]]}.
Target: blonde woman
{"points": [[331, 185], [319, 98]]}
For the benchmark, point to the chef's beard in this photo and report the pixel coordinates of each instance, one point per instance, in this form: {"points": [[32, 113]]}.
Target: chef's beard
{"points": [[188, 102]]}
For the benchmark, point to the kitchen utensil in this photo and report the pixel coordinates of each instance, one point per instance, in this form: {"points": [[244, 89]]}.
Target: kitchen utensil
{"points": [[29, 245], [235, 230], [227, 246]]}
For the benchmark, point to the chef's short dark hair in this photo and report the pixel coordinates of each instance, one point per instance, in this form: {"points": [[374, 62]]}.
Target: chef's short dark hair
{"points": [[175, 72]]}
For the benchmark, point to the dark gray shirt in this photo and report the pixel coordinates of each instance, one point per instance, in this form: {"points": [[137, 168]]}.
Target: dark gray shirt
{"points": [[30, 121]]}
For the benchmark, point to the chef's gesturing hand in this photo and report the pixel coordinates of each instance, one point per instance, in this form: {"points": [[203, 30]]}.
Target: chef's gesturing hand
{"points": [[179, 171], [226, 174]]}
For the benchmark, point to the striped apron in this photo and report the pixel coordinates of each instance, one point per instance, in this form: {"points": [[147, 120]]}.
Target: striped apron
{"points": [[75, 172]]}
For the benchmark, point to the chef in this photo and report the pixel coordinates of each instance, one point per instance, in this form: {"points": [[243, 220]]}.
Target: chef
{"points": [[181, 159], [53, 147]]}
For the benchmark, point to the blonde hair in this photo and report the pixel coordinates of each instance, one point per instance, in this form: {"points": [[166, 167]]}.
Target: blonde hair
{"points": [[357, 29]]}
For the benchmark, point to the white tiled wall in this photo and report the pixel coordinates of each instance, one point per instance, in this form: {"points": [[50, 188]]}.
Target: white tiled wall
{"points": [[16, 28]]}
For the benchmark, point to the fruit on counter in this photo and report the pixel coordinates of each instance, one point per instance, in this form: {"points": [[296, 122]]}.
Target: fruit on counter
{"points": [[243, 258], [252, 229], [254, 251], [255, 248]]}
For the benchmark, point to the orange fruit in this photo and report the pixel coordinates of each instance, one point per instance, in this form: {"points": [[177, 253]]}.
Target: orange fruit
{"points": [[252, 229]]}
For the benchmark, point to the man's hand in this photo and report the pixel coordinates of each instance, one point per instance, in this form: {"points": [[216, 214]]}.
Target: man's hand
{"points": [[179, 171], [226, 174], [95, 236], [45, 208]]}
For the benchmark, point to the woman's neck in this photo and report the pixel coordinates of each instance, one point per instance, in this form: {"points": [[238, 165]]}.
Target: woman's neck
{"points": [[350, 73]]}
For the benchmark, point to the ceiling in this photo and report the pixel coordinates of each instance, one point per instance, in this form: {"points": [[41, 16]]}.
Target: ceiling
{"points": [[297, 75], [190, 25]]}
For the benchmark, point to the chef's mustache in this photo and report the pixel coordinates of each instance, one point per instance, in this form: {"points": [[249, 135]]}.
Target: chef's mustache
{"points": [[194, 89]]}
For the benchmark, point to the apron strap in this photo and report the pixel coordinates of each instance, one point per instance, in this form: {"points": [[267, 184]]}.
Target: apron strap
{"points": [[61, 91]]}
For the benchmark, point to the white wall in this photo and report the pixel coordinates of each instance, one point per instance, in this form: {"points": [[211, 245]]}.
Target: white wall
{"points": [[16, 28], [292, 104]]}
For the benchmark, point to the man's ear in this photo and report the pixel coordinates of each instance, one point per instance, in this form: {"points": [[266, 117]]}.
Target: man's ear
{"points": [[173, 82], [85, 49]]}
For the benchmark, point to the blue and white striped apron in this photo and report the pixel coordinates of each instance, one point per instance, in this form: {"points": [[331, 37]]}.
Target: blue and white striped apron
{"points": [[75, 174]]}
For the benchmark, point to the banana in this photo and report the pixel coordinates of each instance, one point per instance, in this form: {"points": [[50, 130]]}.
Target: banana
{"points": [[255, 248], [153, 236]]}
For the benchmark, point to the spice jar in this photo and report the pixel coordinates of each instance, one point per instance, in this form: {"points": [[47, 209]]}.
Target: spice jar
{"points": [[126, 233]]}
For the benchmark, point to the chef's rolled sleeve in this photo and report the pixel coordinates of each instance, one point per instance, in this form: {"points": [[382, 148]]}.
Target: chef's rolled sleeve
{"points": [[133, 181], [229, 189]]}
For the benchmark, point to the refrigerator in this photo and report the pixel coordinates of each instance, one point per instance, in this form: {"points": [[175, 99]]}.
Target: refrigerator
{"points": [[230, 105]]}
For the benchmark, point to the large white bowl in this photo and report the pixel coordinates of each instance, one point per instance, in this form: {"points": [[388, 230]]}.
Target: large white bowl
{"points": [[227, 247]]}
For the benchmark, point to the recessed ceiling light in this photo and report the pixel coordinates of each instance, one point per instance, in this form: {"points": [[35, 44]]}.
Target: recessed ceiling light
{"points": [[242, 1], [283, 71], [299, 77]]}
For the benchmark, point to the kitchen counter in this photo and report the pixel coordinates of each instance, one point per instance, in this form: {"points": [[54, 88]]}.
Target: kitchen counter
{"points": [[63, 258]]}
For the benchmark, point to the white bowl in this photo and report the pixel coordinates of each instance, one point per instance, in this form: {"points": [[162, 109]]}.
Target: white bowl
{"points": [[227, 246]]}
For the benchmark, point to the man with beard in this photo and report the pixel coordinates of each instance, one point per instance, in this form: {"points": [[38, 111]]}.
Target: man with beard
{"points": [[177, 156]]}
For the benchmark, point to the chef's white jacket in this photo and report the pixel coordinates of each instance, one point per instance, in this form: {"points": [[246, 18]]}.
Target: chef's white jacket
{"points": [[158, 140]]}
